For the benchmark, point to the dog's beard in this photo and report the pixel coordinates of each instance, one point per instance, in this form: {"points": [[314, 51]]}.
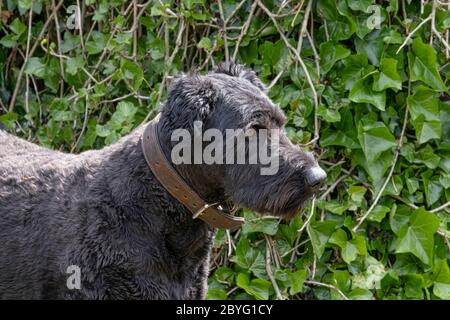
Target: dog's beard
{"points": [[285, 203]]}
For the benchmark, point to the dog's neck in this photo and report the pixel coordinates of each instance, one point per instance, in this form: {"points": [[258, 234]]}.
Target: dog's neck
{"points": [[205, 180]]}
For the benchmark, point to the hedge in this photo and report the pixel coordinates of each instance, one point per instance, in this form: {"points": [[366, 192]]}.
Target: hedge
{"points": [[364, 84]]}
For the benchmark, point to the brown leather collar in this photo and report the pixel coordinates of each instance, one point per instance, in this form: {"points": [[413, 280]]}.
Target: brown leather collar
{"points": [[178, 188]]}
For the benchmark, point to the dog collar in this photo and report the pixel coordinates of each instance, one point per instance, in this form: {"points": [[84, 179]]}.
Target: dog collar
{"points": [[212, 214]]}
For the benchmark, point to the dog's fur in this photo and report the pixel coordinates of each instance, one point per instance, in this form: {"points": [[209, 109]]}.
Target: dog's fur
{"points": [[105, 212]]}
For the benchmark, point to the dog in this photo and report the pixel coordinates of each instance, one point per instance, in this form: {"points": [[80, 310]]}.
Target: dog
{"points": [[105, 218]]}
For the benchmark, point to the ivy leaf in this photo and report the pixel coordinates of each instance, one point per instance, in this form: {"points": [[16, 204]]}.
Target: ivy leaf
{"points": [[297, 279], [372, 45], [337, 138], [258, 288], [359, 5], [254, 223], [375, 138], [17, 27], [441, 274], [432, 187], [427, 156], [124, 113], [378, 213], [376, 169], [417, 237], [356, 67], [35, 66], [130, 70], [362, 93], [329, 114], [424, 109], [414, 284], [423, 102], [73, 64], [423, 65], [330, 53], [388, 76], [249, 258], [205, 43], [320, 232]]}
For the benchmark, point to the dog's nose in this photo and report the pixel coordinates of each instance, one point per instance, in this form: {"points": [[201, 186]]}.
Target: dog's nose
{"points": [[315, 177]]}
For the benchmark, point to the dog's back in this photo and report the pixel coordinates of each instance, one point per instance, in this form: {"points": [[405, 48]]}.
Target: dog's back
{"points": [[27, 226]]}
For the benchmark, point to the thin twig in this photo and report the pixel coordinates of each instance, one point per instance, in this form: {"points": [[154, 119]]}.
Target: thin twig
{"points": [[27, 52], [302, 64], [61, 63], [311, 214], [178, 44], [334, 185], [412, 33], [326, 285], [224, 30], [244, 29], [445, 205], [33, 48], [269, 269]]}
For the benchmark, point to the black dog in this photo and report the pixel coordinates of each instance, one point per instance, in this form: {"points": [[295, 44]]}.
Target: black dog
{"points": [[105, 212]]}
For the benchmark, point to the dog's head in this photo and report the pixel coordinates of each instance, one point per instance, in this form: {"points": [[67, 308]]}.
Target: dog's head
{"points": [[227, 132]]}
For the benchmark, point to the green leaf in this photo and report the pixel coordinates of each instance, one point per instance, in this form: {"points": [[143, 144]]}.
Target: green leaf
{"points": [[9, 41], [73, 64], [334, 207], [414, 284], [357, 194], [328, 114], [362, 92], [35, 66], [254, 223], [427, 157], [432, 187], [17, 27], [372, 46], [249, 258], [423, 102], [97, 43], [423, 65], [356, 67], [360, 294], [102, 131], [216, 294], [337, 138], [417, 237], [375, 138], [205, 43], [424, 109], [320, 232], [330, 53], [132, 71], [388, 76], [359, 5], [378, 213], [441, 273], [371, 277], [258, 288], [297, 279], [9, 120]]}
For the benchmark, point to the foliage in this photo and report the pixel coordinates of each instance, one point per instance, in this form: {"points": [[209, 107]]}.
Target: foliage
{"points": [[368, 79]]}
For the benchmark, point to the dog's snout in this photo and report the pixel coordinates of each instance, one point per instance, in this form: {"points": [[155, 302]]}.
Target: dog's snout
{"points": [[315, 177]]}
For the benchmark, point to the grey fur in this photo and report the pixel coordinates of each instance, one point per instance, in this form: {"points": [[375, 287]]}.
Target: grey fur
{"points": [[105, 212]]}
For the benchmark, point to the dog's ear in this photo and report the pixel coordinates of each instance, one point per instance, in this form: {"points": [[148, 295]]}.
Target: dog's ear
{"points": [[194, 94], [238, 70]]}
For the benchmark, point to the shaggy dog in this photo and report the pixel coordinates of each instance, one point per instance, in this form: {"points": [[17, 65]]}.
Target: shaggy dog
{"points": [[104, 211]]}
